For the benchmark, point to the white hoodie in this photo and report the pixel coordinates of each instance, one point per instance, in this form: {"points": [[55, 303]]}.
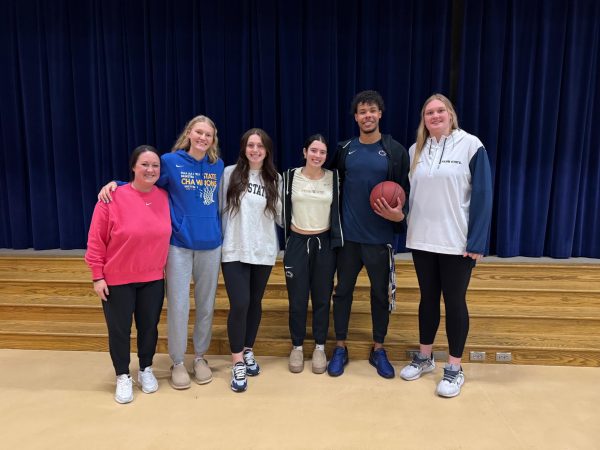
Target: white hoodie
{"points": [[443, 217]]}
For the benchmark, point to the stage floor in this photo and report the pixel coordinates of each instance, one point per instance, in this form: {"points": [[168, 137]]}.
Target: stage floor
{"points": [[64, 400]]}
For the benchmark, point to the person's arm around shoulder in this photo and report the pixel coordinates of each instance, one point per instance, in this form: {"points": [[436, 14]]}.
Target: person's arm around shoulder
{"points": [[105, 194], [336, 161], [332, 159]]}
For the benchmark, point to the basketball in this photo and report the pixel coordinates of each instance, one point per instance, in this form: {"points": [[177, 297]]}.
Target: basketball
{"points": [[390, 191]]}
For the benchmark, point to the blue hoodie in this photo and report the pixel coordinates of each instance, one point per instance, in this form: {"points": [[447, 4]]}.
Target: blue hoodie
{"points": [[193, 188]]}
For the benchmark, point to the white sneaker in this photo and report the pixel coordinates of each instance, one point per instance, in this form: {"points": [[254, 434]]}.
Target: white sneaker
{"points": [[417, 367], [451, 383], [124, 391], [147, 380]]}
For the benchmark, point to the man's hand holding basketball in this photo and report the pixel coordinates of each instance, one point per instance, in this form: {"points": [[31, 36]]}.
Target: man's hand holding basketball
{"points": [[383, 209]]}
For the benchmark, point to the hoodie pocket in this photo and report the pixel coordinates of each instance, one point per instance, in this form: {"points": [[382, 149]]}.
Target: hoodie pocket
{"points": [[197, 231]]}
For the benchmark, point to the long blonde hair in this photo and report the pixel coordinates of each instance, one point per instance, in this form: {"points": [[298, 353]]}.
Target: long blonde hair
{"points": [[183, 141], [423, 132]]}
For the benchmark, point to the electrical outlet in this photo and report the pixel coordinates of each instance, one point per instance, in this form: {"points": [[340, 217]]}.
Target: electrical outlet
{"points": [[477, 356], [503, 356]]}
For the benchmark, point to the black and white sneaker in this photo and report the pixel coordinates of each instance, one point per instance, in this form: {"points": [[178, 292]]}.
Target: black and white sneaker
{"points": [[451, 383], [239, 383], [417, 367], [252, 367]]}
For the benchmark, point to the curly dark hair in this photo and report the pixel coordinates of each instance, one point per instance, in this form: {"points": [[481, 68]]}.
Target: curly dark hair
{"points": [[368, 98]]}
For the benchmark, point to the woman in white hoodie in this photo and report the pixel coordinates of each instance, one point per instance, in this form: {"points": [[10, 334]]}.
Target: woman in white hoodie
{"points": [[450, 210]]}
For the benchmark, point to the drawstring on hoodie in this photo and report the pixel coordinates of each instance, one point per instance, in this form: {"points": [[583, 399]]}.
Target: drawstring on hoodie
{"points": [[308, 244], [199, 192], [442, 155], [443, 149]]}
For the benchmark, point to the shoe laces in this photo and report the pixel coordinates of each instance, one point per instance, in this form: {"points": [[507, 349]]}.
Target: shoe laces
{"points": [[123, 382], [239, 372], [450, 375], [418, 362], [249, 358]]}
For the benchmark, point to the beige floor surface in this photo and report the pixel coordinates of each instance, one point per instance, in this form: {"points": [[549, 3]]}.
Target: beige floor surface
{"points": [[64, 400]]}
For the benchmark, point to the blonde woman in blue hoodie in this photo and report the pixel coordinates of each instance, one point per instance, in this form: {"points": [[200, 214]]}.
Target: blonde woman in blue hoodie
{"points": [[191, 175]]}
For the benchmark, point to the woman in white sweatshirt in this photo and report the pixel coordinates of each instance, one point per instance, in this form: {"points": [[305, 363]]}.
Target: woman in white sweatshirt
{"points": [[251, 207]]}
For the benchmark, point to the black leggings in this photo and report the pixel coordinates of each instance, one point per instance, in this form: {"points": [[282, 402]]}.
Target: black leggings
{"points": [[450, 275], [245, 285], [143, 301]]}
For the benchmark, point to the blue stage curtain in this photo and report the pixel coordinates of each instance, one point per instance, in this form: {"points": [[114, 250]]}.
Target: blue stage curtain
{"points": [[83, 82], [529, 88]]}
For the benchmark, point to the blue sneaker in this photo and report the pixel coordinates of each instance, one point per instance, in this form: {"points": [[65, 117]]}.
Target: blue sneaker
{"points": [[379, 360], [238, 377], [338, 360], [252, 367]]}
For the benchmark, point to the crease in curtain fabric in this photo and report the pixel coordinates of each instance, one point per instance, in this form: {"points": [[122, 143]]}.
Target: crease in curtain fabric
{"points": [[85, 82], [528, 89]]}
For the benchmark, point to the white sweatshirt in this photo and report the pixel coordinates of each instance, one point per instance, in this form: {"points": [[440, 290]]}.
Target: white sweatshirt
{"points": [[249, 235]]}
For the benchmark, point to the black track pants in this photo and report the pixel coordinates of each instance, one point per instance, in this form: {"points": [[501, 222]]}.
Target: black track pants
{"points": [[309, 265], [350, 260], [143, 301]]}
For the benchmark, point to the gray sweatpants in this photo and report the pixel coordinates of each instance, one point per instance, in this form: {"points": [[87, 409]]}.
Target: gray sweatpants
{"points": [[182, 264]]}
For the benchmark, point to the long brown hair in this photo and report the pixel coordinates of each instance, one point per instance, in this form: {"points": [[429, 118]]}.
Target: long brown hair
{"points": [[183, 141], [238, 183], [423, 132]]}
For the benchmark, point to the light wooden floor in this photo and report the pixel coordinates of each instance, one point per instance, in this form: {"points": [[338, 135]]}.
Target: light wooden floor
{"points": [[63, 400]]}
